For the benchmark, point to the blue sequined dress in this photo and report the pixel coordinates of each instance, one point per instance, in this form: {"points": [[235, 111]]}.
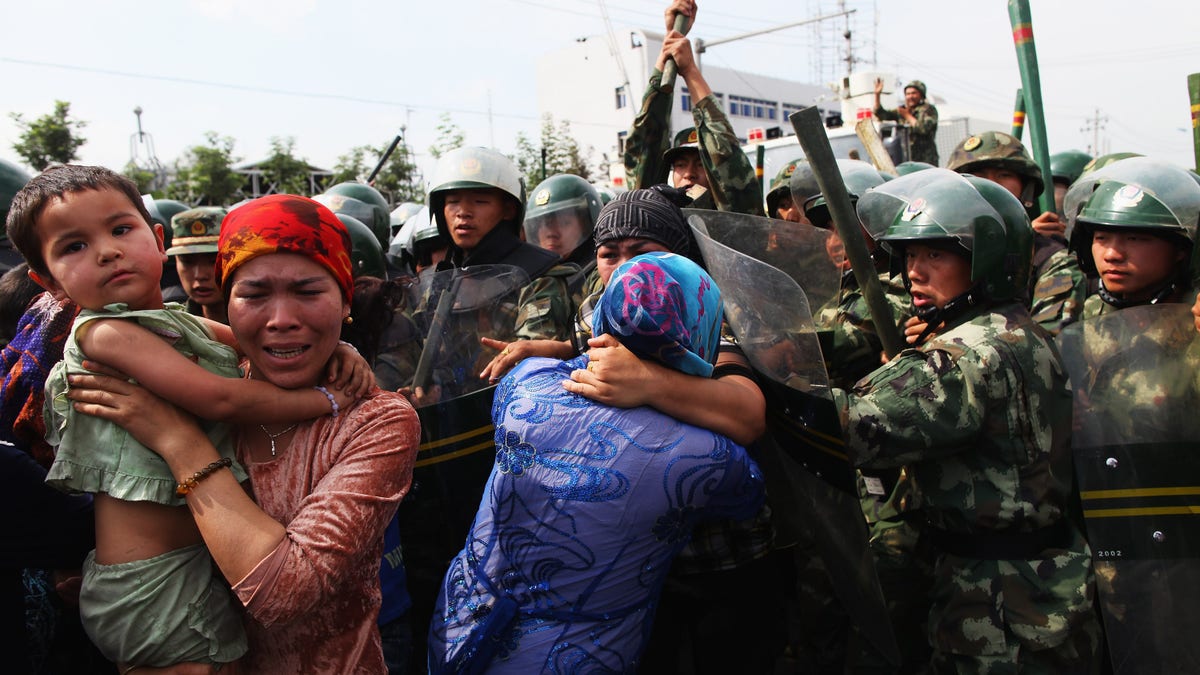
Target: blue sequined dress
{"points": [[583, 512]]}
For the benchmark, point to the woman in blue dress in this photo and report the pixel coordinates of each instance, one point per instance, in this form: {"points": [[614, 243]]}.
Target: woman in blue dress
{"points": [[587, 504]]}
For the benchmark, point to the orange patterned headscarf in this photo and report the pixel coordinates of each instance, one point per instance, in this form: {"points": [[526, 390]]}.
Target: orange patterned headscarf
{"points": [[284, 224]]}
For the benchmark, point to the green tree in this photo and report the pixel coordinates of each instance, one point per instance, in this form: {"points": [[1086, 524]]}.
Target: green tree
{"points": [[283, 171], [205, 175], [50, 138], [143, 178], [399, 180], [351, 165], [449, 137], [563, 154]]}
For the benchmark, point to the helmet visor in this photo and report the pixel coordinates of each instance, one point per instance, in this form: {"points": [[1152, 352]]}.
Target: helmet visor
{"points": [[562, 229]]}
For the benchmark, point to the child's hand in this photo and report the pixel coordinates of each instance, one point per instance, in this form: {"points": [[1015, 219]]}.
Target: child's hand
{"points": [[347, 370]]}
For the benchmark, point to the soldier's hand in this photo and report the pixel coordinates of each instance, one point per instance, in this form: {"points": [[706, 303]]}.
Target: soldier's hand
{"points": [[615, 376], [678, 47], [878, 86], [420, 397], [1196, 312], [684, 7], [913, 329], [1050, 225]]}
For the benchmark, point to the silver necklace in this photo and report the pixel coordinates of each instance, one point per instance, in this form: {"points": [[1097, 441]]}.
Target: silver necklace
{"points": [[274, 436]]}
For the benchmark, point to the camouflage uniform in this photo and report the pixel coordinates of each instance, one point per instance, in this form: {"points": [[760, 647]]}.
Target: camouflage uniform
{"points": [[732, 183], [922, 136], [978, 413], [849, 341], [1060, 287]]}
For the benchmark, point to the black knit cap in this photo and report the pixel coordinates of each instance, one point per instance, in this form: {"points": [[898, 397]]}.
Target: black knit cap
{"points": [[653, 213]]}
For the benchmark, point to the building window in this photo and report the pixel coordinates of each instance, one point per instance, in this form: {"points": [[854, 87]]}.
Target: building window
{"points": [[621, 137], [771, 112], [635, 40], [685, 100], [622, 97]]}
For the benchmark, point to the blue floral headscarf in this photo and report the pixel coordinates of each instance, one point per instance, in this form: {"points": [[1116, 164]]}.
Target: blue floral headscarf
{"points": [[662, 306]]}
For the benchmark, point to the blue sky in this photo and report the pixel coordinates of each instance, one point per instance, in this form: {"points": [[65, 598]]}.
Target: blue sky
{"points": [[334, 75]]}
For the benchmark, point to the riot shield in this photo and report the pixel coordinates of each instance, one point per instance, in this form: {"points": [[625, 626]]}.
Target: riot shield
{"points": [[809, 477], [1136, 446], [453, 309], [803, 252]]}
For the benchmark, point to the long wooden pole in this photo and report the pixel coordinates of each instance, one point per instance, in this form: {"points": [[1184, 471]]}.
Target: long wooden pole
{"points": [[1031, 83]]}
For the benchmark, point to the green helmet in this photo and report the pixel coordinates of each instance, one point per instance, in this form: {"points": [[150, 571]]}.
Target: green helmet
{"points": [[162, 211], [918, 85], [553, 203], [1104, 160], [1137, 193], [991, 229], [905, 168], [781, 186], [12, 179], [476, 168], [687, 140], [858, 176], [1000, 150], [196, 230], [366, 255], [379, 220], [1068, 165]]}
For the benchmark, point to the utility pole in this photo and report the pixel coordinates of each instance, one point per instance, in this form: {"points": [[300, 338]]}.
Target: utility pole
{"points": [[702, 46], [1093, 126]]}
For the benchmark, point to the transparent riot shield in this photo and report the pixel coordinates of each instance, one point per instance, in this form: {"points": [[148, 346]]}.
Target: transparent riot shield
{"points": [[1136, 443], [809, 476], [452, 310], [803, 252]]}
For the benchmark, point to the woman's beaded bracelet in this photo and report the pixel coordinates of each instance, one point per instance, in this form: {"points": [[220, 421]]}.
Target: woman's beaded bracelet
{"points": [[189, 484], [332, 402]]}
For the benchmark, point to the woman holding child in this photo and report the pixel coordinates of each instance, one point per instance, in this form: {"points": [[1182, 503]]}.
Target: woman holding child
{"points": [[302, 551]]}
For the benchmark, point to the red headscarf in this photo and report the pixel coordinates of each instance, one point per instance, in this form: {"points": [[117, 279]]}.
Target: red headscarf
{"points": [[284, 224]]}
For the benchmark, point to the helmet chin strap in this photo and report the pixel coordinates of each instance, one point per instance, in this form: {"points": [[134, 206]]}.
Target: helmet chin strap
{"points": [[935, 317], [1120, 303]]}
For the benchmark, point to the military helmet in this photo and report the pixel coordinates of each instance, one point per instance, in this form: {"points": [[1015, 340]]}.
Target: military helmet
{"points": [[1068, 165], [1018, 247], [685, 141], [196, 230], [558, 196], [12, 179], [400, 215], [1136, 193], [940, 205], [803, 183], [378, 220], [1104, 160], [426, 238], [858, 177], [1000, 150], [905, 168], [476, 168], [780, 186], [366, 255], [918, 85], [162, 211]]}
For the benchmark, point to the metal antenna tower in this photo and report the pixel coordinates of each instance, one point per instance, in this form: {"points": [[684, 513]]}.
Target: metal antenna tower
{"points": [[142, 156]]}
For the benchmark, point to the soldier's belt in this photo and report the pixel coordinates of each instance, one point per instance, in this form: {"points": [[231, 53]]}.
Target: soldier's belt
{"points": [[1002, 545]]}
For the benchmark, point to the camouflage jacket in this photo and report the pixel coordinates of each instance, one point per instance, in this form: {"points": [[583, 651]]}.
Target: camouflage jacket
{"points": [[733, 186], [922, 136], [545, 310], [849, 341], [1059, 285], [981, 414]]}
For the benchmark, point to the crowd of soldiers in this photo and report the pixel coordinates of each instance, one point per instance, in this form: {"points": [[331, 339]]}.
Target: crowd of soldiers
{"points": [[1045, 360]]}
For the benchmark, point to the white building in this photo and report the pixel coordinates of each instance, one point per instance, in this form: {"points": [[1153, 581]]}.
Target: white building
{"points": [[599, 90]]}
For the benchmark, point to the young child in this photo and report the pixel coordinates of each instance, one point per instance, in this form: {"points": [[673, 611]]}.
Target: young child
{"points": [[150, 596]]}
